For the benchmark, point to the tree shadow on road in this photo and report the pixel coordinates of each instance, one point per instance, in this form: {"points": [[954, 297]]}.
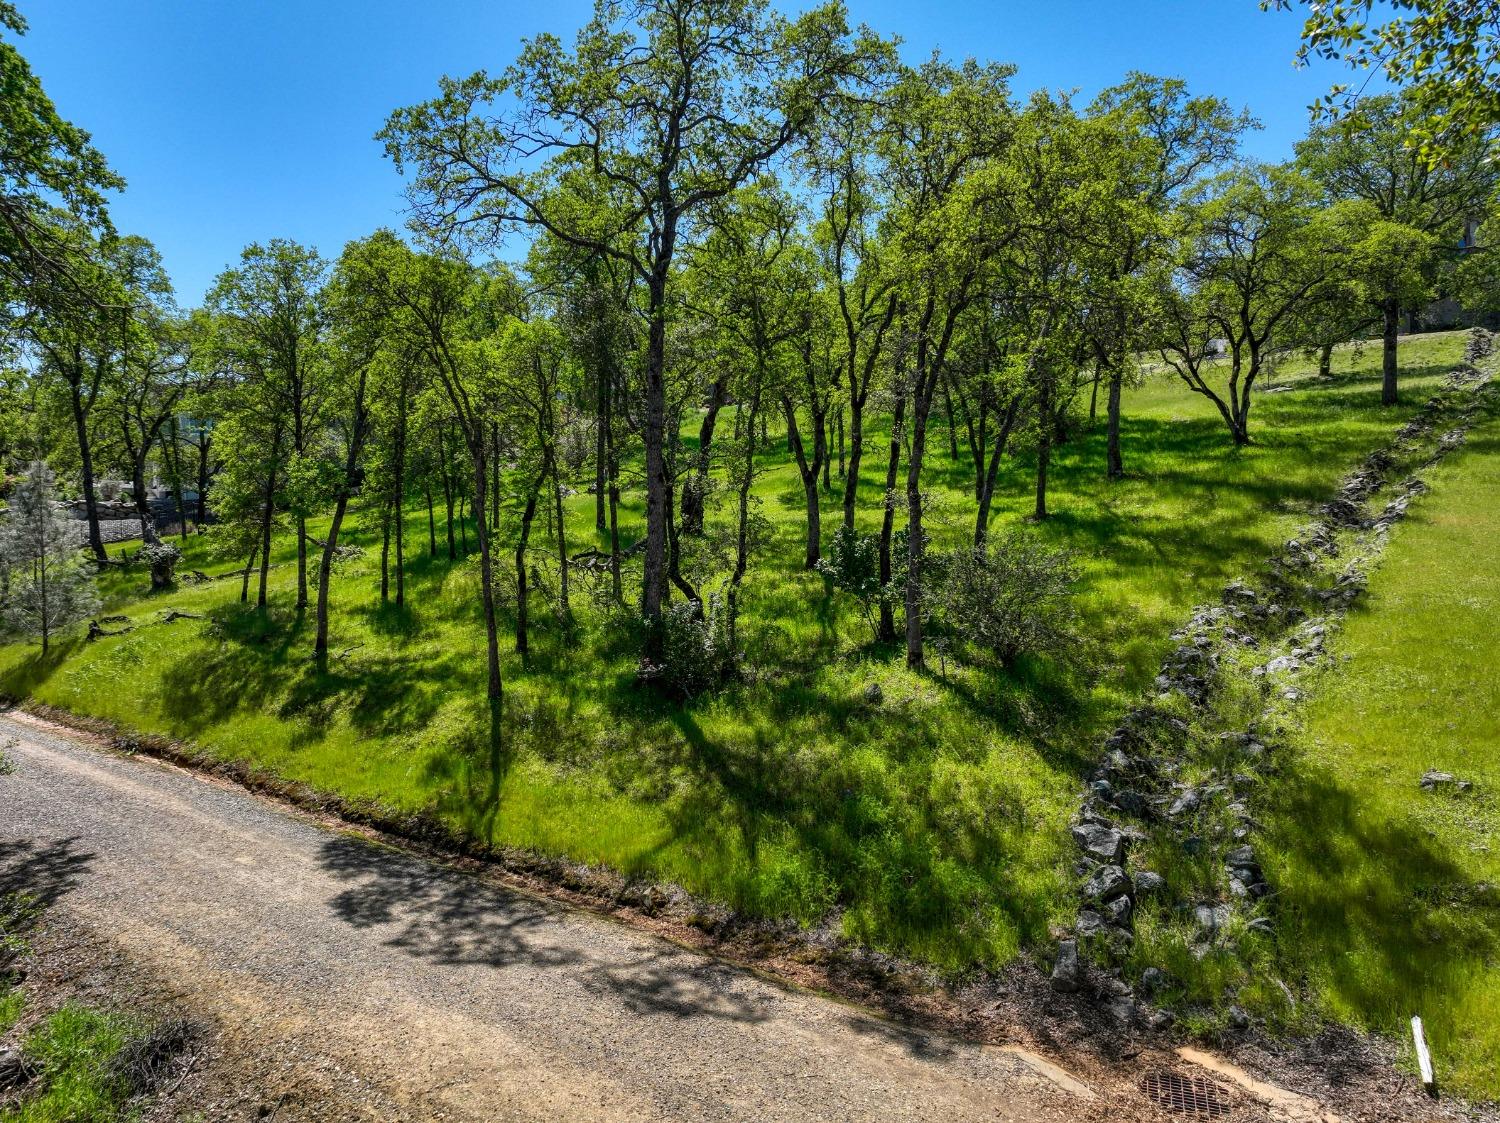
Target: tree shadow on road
{"points": [[44, 872], [452, 919]]}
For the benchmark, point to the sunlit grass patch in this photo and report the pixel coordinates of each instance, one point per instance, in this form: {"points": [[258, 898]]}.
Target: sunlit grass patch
{"points": [[1388, 893], [74, 1049]]}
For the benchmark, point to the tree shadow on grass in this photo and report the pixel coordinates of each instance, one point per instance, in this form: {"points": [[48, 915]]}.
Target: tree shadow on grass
{"points": [[259, 665], [1379, 908], [389, 618], [451, 919], [32, 672], [468, 773], [878, 847]]}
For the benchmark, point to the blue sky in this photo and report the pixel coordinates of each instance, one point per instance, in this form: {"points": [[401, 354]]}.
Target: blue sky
{"points": [[242, 120]]}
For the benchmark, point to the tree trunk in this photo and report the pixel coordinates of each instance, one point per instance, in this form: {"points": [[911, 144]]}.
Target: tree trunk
{"points": [[841, 441], [301, 563], [614, 522], [181, 513], [952, 426], [814, 550], [742, 524], [693, 493], [601, 448], [41, 576], [401, 552], [887, 630], [265, 523], [1392, 319], [987, 493], [448, 503], [86, 461], [1115, 466], [171, 452], [385, 552], [325, 576], [398, 502], [202, 517], [142, 507], [562, 541], [827, 451], [523, 644], [920, 414], [809, 473], [654, 436], [1325, 361], [487, 578], [1239, 402], [856, 449], [494, 477], [1043, 447], [245, 579], [674, 561], [431, 521]]}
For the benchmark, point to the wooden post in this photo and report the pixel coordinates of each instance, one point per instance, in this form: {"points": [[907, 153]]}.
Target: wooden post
{"points": [[1424, 1058]]}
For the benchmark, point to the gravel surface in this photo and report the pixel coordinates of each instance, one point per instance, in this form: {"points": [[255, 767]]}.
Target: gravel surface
{"points": [[354, 980]]}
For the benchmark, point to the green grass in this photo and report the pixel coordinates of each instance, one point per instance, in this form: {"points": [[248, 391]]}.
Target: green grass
{"points": [[12, 1002], [75, 1048], [932, 825], [1389, 900]]}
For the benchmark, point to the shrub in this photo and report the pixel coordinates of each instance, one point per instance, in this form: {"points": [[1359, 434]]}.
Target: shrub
{"points": [[1013, 597], [694, 648], [852, 564]]}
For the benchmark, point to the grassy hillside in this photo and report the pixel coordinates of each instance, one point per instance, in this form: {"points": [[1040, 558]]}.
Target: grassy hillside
{"points": [[932, 823], [1389, 893]]}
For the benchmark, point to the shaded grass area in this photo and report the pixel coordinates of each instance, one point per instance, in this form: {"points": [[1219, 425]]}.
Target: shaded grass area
{"points": [[1389, 894], [932, 823]]}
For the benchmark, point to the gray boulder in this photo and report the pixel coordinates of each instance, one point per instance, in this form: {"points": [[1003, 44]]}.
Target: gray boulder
{"points": [[1157, 1019], [1100, 841], [1185, 804], [1090, 923], [1149, 881], [1107, 883], [1434, 781], [1066, 970], [15, 1068], [1210, 918], [1238, 591]]}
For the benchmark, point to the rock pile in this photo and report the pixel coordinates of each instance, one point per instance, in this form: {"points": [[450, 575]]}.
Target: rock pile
{"points": [[1139, 784]]}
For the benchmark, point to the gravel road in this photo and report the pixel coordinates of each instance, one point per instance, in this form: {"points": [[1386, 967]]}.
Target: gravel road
{"points": [[371, 983]]}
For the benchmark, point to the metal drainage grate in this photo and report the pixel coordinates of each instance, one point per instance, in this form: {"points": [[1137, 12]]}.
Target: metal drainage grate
{"points": [[1186, 1095]]}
